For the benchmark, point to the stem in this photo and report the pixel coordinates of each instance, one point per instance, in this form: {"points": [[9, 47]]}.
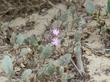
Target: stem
{"points": [[76, 68]]}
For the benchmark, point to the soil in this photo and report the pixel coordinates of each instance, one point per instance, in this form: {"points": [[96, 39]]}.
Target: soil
{"points": [[94, 42]]}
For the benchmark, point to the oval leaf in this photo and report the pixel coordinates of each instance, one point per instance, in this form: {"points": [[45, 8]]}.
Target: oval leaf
{"points": [[64, 77], [25, 51], [25, 75], [46, 70], [7, 65], [46, 51], [64, 60], [20, 39], [90, 7]]}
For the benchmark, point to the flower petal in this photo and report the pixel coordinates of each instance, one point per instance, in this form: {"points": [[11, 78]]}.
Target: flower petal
{"points": [[55, 41], [55, 31]]}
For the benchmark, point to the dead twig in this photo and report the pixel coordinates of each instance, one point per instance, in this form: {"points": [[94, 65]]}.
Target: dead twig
{"points": [[76, 68]]}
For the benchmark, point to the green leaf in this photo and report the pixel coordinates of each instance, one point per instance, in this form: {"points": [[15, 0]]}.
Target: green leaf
{"points": [[20, 39], [7, 65], [108, 6], [46, 51], [90, 7], [64, 60], [25, 75]]}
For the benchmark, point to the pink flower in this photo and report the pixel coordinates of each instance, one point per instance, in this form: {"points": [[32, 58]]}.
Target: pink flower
{"points": [[55, 41], [55, 31]]}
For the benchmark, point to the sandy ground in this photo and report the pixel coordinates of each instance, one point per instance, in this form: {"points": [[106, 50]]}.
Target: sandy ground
{"points": [[99, 65]]}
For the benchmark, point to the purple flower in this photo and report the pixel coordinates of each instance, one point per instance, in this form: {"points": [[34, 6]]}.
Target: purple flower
{"points": [[55, 41], [55, 31]]}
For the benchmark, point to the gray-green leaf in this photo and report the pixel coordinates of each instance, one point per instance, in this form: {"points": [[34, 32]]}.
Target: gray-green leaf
{"points": [[63, 17], [20, 39], [47, 70], [90, 7], [25, 51], [46, 51], [61, 70], [25, 75], [64, 77], [7, 65], [33, 40], [64, 60]]}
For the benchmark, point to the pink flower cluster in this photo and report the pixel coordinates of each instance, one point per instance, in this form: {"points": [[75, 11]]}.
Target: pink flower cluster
{"points": [[55, 40], [55, 31]]}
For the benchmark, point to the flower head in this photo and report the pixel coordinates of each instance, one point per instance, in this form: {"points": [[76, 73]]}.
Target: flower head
{"points": [[55, 31], [55, 41]]}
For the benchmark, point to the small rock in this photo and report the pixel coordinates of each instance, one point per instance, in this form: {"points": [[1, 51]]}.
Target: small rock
{"points": [[107, 55], [107, 22], [17, 69], [3, 79], [22, 65]]}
